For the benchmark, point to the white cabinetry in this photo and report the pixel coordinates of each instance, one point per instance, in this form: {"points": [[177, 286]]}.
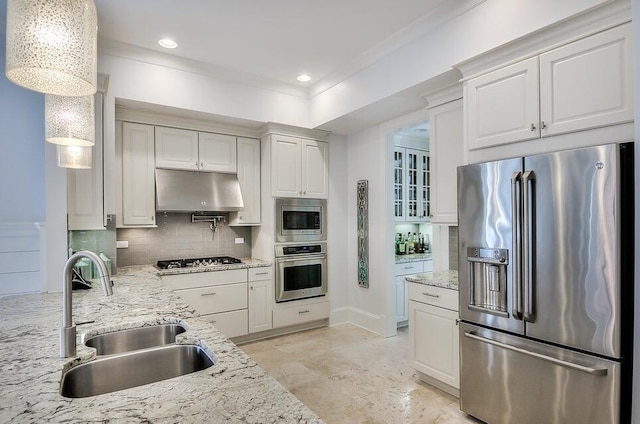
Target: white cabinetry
{"points": [[260, 299], [192, 150], [581, 85], [411, 184], [299, 167], [137, 185], [446, 148], [300, 312], [402, 294], [220, 297], [176, 148], [85, 187], [433, 335], [249, 177]]}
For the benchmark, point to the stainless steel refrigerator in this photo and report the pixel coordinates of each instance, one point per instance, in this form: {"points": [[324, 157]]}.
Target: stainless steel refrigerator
{"points": [[546, 287]]}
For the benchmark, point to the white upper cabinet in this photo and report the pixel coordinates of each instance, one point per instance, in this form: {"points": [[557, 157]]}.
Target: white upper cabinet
{"points": [[217, 152], [299, 167], [249, 178], [582, 85], [138, 199], [85, 188], [447, 146], [315, 175], [412, 175], [176, 148], [192, 150], [502, 106], [588, 83]]}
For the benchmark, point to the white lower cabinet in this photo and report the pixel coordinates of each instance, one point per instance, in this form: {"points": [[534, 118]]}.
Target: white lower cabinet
{"points": [[299, 313], [232, 323], [260, 299], [402, 294], [220, 297], [433, 336]]}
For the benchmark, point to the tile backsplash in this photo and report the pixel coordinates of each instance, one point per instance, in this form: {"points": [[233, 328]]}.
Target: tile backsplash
{"points": [[97, 241], [176, 237], [453, 248]]}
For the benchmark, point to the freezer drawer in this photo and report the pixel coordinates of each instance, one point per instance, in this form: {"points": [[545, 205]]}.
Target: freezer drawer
{"points": [[509, 379]]}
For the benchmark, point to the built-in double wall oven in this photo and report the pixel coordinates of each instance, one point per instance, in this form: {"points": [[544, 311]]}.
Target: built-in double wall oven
{"points": [[301, 249]]}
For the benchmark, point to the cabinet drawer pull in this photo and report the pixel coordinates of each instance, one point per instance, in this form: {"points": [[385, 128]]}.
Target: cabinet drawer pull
{"points": [[533, 127], [262, 273], [431, 295], [306, 311], [208, 294], [409, 267], [543, 125]]}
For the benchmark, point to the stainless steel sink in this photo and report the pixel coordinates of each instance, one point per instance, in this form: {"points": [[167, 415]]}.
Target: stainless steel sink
{"points": [[123, 371], [135, 338]]}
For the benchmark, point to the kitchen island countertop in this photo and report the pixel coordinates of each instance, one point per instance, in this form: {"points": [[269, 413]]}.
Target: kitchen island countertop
{"points": [[445, 279], [234, 390]]}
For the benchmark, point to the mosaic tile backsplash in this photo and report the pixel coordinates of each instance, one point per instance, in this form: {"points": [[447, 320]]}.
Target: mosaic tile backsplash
{"points": [[176, 237]]}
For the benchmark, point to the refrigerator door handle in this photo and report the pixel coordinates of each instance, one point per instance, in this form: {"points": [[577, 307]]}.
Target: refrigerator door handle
{"points": [[593, 370], [528, 229], [516, 225]]}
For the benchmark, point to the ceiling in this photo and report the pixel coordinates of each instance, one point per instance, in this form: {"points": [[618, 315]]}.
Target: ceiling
{"points": [[270, 41]]}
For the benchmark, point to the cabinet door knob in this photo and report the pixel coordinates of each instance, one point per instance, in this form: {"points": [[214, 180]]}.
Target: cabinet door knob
{"points": [[201, 164], [533, 127], [543, 125]]}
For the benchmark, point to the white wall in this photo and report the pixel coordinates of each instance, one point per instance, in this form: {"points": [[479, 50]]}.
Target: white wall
{"points": [[366, 161], [144, 82], [22, 180], [21, 146], [487, 26], [339, 280]]}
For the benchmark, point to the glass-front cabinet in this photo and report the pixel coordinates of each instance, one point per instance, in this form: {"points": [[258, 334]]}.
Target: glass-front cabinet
{"points": [[411, 184]]}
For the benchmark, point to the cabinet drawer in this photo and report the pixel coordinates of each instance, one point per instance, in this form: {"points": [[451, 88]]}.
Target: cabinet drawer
{"points": [[431, 295], [300, 314], [202, 279], [214, 299], [232, 324], [262, 273], [407, 268]]}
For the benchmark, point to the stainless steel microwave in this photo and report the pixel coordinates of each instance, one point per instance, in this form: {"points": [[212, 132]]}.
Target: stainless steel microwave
{"points": [[300, 220]]}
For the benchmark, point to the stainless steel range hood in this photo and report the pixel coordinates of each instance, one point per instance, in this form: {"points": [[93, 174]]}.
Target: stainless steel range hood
{"points": [[193, 191]]}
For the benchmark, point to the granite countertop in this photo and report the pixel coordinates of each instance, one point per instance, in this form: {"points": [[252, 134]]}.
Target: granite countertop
{"points": [[234, 390], [414, 257], [246, 263], [445, 279]]}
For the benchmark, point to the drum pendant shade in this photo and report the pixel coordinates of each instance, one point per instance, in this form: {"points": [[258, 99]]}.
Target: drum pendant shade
{"points": [[77, 157], [69, 121], [52, 46]]}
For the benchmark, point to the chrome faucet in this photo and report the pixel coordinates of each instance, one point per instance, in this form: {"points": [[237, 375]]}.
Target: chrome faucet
{"points": [[68, 330]]}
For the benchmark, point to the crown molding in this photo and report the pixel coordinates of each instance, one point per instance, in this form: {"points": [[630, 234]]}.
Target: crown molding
{"points": [[586, 24], [282, 129]]}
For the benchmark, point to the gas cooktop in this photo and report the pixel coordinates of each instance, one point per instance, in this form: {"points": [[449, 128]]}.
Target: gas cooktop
{"points": [[195, 262]]}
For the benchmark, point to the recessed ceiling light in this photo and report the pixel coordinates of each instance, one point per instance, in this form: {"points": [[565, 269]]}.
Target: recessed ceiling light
{"points": [[304, 78], [168, 43]]}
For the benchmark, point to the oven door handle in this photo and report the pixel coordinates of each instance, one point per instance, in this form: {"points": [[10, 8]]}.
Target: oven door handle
{"points": [[301, 258]]}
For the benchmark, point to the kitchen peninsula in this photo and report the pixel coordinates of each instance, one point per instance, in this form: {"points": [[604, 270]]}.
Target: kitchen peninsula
{"points": [[235, 389]]}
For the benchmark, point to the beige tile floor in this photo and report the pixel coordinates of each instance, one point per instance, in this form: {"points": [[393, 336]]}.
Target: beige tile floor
{"points": [[346, 374]]}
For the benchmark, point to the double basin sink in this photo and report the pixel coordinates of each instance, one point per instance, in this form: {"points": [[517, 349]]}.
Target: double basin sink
{"points": [[134, 357]]}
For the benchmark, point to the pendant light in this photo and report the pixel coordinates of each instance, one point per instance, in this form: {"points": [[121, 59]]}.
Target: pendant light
{"points": [[76, 157], [69, 121], [52, 46]]}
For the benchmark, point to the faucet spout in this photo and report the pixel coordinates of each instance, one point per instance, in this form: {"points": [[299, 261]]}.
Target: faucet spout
{"points": [[68, 329]]}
